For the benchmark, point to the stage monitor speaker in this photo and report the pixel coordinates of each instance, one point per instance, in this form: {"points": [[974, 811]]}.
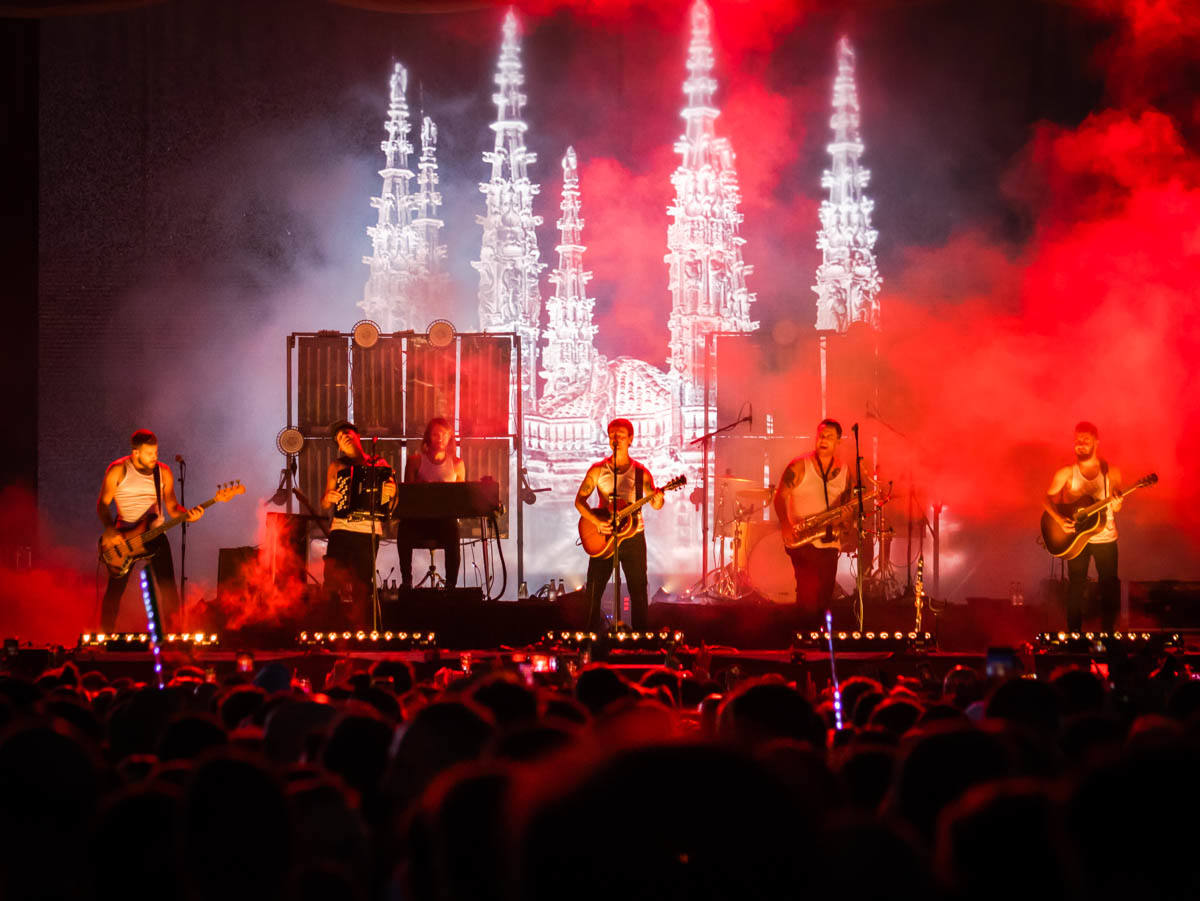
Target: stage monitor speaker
{"points": [[1166, 604], [231, 565], [448, 597]]}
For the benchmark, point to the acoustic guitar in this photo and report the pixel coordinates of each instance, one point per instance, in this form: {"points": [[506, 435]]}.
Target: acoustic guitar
{"points": [[596, 543], [1089, 516], [122, 552]]}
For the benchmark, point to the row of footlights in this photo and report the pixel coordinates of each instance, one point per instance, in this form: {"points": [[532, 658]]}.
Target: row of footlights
{"points": [[821, 638], [1132, 638], [662, 638], [142, 639], [371, 639]]}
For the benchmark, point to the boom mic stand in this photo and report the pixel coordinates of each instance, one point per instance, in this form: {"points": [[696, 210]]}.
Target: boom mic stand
{"points": [[858, 487], [182, 545], [376, 489], [705, 440]]}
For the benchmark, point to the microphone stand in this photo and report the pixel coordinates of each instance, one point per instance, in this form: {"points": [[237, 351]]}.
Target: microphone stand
{"points": [[705, 440], [376, 489], [616, 544], [858, 487], [182, 545]]}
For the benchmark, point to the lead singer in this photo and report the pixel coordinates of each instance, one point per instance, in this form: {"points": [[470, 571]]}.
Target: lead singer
{"points": [[634, 482]]}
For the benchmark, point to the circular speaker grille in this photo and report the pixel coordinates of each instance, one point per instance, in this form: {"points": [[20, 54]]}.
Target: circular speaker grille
{"points": [[441, 332], [365, 333], [289, 441]]}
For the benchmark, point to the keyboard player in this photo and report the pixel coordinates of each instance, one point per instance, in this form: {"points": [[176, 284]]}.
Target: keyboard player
{"points": [[435, 461]]}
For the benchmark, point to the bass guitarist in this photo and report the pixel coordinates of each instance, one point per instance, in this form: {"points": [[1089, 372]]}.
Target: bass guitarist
{"points": [[633, 482], [140, 487], [1089, 475], [814, 483]]}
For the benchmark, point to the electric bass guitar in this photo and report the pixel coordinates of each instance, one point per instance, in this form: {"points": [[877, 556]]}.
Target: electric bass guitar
{"points": [[820, 525], [596, 543], [120, 553], [1089, 516]]}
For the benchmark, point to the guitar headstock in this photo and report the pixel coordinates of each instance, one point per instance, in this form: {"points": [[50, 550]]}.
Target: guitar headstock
{"points": [[1147, 481], [229, 490], [677, 482]]}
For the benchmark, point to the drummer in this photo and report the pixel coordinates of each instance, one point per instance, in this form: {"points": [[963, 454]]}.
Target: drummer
{"points": [[814, 483], [435, 461]]}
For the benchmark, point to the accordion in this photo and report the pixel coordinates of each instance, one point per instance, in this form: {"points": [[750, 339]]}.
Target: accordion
{"points": [[361, 486]]}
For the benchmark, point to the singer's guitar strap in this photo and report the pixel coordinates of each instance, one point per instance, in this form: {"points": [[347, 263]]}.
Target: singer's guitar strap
{"points": [[158, 491]]}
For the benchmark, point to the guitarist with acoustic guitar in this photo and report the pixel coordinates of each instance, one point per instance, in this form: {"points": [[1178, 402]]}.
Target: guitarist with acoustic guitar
{"points": [[1093, 478], [142, 489], [633, 483]]}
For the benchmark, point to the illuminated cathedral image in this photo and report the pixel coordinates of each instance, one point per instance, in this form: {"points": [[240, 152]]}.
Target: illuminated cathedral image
{"points": [[568, 390]]}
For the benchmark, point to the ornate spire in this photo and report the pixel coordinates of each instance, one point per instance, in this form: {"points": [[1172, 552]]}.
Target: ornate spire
{"points": [[569, 356], [429, 200], [509, 262], [707, 277], [848, 279], [405, 255]]}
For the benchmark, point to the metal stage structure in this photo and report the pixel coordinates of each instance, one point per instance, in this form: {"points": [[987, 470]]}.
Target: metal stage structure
{"points": [[391, 386]]}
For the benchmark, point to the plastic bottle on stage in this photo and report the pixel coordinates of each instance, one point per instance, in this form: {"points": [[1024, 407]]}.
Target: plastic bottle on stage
{"points": [[553, 593], [1017, 594], [562, 589], [523, 592]]}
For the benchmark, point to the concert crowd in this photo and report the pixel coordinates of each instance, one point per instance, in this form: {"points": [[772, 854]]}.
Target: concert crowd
{"points": [[379, 785]]}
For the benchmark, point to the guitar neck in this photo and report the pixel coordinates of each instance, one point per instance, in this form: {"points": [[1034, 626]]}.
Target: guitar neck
{"points": [[173, 522], [1120, 495], [634, 506]]}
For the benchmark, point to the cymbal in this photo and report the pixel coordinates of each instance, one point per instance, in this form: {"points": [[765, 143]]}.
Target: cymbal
{"points": [[758, 493], [726, 483]]}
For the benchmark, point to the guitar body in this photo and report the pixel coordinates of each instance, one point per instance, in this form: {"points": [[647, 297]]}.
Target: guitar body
{"points": [[595, 542], [1089, 516], [120, 553], [1069, 545], [130, 547]]}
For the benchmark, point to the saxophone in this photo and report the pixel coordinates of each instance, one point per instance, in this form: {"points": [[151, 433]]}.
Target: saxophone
{"points": [[919, 591]]}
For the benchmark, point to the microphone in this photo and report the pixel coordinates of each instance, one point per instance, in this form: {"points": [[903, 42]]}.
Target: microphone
{"points": [[854, 428], [750, 419], [178, 458]]}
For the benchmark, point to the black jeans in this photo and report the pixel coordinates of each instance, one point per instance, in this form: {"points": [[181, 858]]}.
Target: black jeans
{"points": [[1105, 555], [350, 573], [441, 533], [632, 553], [815, 569], [162, 568]]}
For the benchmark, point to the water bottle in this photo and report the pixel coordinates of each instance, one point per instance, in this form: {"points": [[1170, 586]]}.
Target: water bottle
{"points": [[523, 591], [562, 589], [553, 594]]}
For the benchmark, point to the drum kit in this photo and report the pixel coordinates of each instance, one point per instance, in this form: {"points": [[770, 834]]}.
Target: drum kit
{"points": [[752, 560]]}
